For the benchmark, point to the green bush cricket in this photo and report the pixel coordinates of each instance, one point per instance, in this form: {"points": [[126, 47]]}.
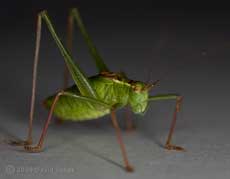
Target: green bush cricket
{"points": [[92, 97]]}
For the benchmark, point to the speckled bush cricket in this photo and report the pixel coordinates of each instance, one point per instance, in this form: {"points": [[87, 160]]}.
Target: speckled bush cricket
{"points": [[92, 97]]}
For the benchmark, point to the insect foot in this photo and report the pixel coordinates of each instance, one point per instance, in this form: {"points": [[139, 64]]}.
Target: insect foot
{"points": [[129, 168], [32, 149], [174, 147]]}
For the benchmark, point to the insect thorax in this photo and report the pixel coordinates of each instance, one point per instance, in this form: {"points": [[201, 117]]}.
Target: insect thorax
{"points": [[111, 90], [116, 88]]}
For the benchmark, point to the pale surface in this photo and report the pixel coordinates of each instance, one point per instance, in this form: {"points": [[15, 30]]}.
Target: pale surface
{"points": [[84, 151]]}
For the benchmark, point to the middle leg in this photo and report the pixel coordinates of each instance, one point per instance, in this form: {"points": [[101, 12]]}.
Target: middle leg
{"points": [[168, 144], [128, 167]]}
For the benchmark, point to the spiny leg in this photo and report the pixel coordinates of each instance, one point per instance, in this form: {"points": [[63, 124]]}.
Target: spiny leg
{"points": [[168, 144], [38, 147], [75, 15], [69, 43], [130, 127], [65, 85], [28, 141], [128, 167], [178, 99], [78, 76]]}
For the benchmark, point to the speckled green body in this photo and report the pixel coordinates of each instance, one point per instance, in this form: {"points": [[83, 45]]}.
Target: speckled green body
{"points": [[111, 91]]}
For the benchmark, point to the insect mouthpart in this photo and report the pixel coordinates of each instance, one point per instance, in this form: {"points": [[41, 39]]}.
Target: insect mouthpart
{"points": [[148, 87]]}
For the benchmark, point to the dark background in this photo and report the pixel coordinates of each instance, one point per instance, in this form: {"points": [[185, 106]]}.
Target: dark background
{"points": [[169, 37], [185, 45]]}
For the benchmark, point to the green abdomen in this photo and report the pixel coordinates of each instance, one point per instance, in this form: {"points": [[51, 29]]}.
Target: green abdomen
{"points": [[109, 91]]}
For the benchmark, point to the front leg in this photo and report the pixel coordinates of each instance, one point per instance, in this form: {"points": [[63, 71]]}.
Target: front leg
{"points": [[168, 144], [178, 98]]}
